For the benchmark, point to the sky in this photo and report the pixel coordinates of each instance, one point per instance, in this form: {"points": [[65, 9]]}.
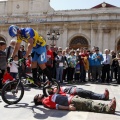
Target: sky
{"points": [[79, 4]]}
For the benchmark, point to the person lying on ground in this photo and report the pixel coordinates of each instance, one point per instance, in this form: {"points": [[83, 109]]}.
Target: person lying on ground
{"points": [[72, 103], [73, 90]]}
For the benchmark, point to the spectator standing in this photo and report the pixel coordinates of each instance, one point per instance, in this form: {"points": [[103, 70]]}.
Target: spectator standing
{"points": [[50, 58], [54, 50], [3, 61], [84, 64], [107, 60], [114, 66], [10, 48], [77, 67], [118, 58], [97, 57], [9, 51], [65, 66], [91, 64], [67, 53], [72, 63], [59, 66]]}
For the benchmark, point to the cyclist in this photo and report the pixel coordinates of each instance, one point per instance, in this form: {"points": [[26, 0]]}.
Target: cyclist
{"points": [[36, 46]]}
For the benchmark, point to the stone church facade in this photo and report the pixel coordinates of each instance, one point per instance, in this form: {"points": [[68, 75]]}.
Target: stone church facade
{"points": [[97, 26]]}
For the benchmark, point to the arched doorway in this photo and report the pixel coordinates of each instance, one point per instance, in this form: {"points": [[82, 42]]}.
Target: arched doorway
{"points": [[118, 46], [78, 42]]}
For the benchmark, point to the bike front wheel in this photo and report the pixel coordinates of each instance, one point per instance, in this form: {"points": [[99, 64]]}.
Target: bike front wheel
{"points": [[54, 88], [12, 92]]}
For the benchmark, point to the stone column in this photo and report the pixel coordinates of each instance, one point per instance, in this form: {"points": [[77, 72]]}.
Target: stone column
{"points": [[112, 38], [63, 40], [92, 41], [100, 40], [106, 39]]}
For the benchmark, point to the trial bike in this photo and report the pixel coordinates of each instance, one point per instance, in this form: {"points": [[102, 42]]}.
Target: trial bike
{"points": [[13, 91]]}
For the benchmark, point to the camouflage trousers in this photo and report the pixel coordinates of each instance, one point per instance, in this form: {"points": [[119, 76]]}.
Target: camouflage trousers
{"points": [[83, 104]]}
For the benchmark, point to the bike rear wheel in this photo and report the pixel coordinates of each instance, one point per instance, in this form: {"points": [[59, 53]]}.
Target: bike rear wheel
{"points": [[12, 92], [50, 90]]}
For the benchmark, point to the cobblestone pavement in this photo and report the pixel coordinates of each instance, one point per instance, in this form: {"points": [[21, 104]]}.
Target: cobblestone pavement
{"points": [[25, 109]]}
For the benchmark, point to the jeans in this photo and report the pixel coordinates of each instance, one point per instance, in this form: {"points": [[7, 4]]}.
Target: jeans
{"points": [[106, 72], [82, 73], [89, 94], [70, 74], [64, 73], [59, 73], [97, 70]]}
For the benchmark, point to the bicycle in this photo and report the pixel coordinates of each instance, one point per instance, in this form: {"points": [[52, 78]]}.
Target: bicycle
{"points": [[13, 91]]}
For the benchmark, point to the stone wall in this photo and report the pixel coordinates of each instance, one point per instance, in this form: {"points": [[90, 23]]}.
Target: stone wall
{"points": [[101, 26]]}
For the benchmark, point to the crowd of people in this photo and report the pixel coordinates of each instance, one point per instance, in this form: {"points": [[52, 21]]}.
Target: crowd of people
{"points": [[72, 65], [69, 65]]}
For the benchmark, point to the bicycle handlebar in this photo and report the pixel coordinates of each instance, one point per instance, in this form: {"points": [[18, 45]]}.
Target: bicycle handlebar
{"points": [[20, 61]]}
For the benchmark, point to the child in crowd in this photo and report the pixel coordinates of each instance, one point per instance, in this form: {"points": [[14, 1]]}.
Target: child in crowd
{"points": [[28, 64], [14, 67]]}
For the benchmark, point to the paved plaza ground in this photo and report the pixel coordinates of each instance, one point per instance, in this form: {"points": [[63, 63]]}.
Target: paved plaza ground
{"points": [[25, 109]]}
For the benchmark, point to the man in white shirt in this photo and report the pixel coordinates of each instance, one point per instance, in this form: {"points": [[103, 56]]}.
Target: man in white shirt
{"points": [[107, 60]]}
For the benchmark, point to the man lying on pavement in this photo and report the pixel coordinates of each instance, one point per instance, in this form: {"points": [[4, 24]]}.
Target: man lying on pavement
{"points": [[73, 90], [72, 103]]}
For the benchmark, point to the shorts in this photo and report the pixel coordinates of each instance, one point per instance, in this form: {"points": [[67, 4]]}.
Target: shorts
{"points": [[39, 54]]}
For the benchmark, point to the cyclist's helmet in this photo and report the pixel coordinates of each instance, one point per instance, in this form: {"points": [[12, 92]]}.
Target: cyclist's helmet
{"points": [[13, 30]]}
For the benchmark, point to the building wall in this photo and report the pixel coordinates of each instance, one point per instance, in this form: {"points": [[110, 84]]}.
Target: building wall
{"points": [[100, 26]]}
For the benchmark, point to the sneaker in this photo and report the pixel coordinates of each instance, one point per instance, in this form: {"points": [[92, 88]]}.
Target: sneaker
{"points": [[106, 93], [112, 105]]}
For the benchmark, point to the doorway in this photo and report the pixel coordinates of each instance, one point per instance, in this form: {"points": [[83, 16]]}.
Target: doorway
{"points": [[78, 42]]}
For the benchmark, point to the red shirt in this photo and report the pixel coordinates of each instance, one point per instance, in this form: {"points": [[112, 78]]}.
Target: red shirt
{"points": [[47, 101], [50, 58], [7, 77], [28, 63], [83, 55]]}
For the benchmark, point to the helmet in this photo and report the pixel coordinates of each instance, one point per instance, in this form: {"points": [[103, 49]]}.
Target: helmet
{"points": [[13, 30]]}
